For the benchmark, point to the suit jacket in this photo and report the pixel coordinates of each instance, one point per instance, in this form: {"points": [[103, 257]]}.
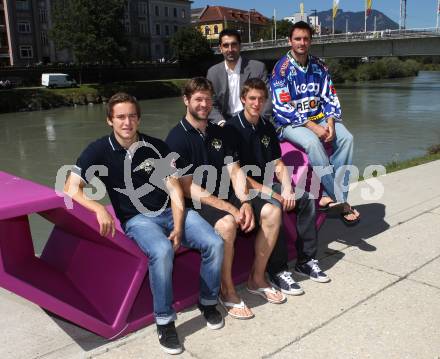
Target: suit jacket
{"points": [[219, 77]]}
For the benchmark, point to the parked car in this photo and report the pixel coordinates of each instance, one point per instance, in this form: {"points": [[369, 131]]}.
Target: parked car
{"points": [[58, 80], [5, 84]]}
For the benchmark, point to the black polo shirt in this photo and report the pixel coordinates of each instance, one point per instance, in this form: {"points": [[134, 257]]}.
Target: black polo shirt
{"points": [[149, 166], [258, 145], [216, 148]]}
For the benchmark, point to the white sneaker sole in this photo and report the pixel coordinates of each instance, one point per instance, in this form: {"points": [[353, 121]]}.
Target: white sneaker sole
{"points": [[291, 292], [216, 326], [319, 280], [171, 351]]}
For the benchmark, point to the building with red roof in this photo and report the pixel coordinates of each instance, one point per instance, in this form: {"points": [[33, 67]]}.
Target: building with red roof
{"points": [[211, 20]]}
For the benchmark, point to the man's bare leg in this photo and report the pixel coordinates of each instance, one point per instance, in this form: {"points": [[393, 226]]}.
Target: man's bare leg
{"points": [[227, 228], [267, 235]]}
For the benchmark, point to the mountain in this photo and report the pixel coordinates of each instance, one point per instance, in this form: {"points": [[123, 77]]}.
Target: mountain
{"points": [[355, 21]]}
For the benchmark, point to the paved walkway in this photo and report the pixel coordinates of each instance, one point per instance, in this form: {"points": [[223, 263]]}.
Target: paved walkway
{"points": [[383, 301]]}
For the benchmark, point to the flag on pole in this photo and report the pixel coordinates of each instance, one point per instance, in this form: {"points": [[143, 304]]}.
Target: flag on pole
{"points": [[335, 7], [369, 4], [301, 9]]}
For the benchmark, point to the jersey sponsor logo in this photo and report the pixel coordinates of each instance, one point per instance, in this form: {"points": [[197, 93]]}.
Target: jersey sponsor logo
{"points": [[284, 66], [316, 117], [279, 83], [306, 104], [310, 87], [292, 70], [316, 69], [265, 141], [283, 95], [291, 76], [216, 143]]}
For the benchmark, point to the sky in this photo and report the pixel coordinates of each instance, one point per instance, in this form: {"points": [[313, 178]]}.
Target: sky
{"points": [[420, 13]]}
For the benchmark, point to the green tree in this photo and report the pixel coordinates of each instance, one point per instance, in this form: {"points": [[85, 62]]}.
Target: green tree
{"points": [[191, 48], [283, 30], [91, 29]]}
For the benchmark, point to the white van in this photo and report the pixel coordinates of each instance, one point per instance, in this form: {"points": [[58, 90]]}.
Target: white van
{"points": [[57, 80]]}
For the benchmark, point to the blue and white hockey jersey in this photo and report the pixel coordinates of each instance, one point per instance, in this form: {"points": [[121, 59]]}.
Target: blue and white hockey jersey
{"points": [[302, 94]]}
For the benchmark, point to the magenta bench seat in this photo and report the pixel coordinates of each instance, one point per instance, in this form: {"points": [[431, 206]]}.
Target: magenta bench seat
{"points": [[87, 279], [96, 282]]}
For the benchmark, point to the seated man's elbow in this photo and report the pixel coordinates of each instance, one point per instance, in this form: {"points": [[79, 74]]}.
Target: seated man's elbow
{"points": [[72, 185], [66, 188]]}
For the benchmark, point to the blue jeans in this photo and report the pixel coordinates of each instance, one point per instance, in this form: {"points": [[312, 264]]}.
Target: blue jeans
{"points": [[151, 235], [342, 156]]}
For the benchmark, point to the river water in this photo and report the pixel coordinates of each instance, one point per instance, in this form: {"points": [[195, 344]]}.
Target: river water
{"points": [[390, 120]]}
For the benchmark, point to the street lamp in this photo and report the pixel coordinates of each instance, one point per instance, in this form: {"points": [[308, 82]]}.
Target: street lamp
{"points": [[249, 23], [315, 16], [402, 20], [438, 14]]}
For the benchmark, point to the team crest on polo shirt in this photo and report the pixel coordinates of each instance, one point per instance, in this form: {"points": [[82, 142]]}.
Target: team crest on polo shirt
{"points": [[147, 166], [216, 143], [265, 141]]}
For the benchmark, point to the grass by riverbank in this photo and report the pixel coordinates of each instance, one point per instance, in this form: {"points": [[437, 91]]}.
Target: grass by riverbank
{"points": [[432, 154], [31, 99]]}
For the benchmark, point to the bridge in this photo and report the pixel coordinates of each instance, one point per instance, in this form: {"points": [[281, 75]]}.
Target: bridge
{"points": [[409, 42]]}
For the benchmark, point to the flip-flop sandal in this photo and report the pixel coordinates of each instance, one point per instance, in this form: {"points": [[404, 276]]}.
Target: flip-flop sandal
{"points": [[262, 293], [229, 305], [349, 222], [332, 207]]}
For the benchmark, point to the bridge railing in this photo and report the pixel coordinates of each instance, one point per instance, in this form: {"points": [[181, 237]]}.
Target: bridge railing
{"points": [[348, 37]]}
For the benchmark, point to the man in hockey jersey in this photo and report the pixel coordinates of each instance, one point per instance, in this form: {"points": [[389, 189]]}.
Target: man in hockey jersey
{"points": [[307, 113]]}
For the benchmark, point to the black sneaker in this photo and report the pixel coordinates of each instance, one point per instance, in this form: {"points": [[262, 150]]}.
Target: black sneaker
{"points": [[168, 339], [285, 283], [214, 319], [311, 270]]}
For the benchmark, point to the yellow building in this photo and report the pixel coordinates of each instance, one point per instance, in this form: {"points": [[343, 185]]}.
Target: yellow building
{"points": [[211, 20]]}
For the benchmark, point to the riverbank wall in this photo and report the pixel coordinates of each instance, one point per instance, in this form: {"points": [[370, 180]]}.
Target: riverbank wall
{"points": [[33, 99], [31, 76]]}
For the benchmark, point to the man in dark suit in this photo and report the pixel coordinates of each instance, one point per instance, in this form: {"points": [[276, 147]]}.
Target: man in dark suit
{"points": [[228, 77]]}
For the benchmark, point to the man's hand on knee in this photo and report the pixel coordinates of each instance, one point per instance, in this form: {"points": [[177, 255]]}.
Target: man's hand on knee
{"points": [[175, 237], [247, 215], [321, 132]]}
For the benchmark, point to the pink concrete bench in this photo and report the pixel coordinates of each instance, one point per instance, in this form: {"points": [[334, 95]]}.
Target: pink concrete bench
{"points": [[303, 180], [96, 282], [85, 278]]}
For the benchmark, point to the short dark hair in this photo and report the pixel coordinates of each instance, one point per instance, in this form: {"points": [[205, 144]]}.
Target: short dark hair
{"points": [[301, 25], [229, 32], [197, 84], [254, 84], [121, 97]]}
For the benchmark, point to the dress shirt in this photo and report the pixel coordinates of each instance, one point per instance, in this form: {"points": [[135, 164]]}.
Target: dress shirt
{"points": [[235, 104]]}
